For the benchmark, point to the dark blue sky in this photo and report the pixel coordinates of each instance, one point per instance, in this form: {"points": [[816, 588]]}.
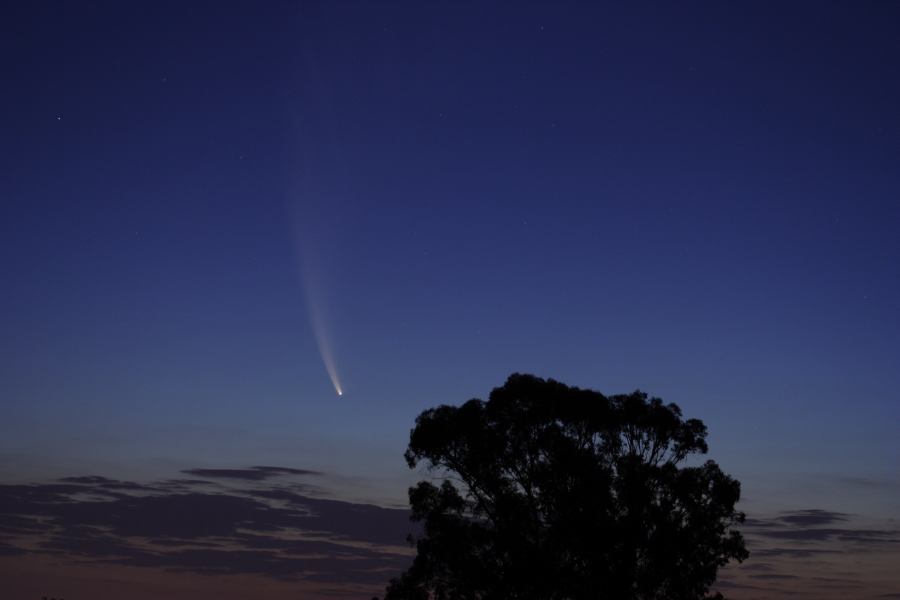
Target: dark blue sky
{"points": [[701, 200]]}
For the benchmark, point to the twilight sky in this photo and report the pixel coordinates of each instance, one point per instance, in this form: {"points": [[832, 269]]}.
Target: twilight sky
{"points": [[199, 200]]}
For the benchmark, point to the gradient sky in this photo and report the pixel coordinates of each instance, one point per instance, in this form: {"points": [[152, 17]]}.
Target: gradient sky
{"points": [[699, 200]]}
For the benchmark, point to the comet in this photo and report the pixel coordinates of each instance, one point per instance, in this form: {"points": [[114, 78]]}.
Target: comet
{"points": [[317, 321], [315, 305]]}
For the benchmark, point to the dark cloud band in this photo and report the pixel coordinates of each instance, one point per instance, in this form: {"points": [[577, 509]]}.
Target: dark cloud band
{"points": [[264, 530]]}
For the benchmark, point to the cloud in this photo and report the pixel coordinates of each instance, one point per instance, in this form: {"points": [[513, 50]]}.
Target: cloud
{"points": [[103, 482], [805, 526], [286, 471], [188, 526], [823, 534], [812, 517], [757, 566], [773, 576], [267, 524], [251, 474], [8, 550], [17, 524], [868, 482], [793, 552], [815, 551], [734, 585]]}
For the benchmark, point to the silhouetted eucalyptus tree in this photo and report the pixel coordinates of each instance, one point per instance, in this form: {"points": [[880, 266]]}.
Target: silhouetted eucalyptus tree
{"points": [[552, 492]]}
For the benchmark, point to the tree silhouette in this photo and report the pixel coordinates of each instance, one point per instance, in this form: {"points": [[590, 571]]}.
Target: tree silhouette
{"points": [[552, 492]]}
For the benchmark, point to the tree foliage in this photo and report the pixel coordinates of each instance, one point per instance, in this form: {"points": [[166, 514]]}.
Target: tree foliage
{"points": [[553, 492]]}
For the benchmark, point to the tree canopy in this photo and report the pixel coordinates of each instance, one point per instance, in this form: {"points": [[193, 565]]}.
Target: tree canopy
{"points": [[553, 492]]}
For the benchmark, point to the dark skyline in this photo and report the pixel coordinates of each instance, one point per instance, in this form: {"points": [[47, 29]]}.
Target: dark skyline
{"points": [[700, 201]]}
